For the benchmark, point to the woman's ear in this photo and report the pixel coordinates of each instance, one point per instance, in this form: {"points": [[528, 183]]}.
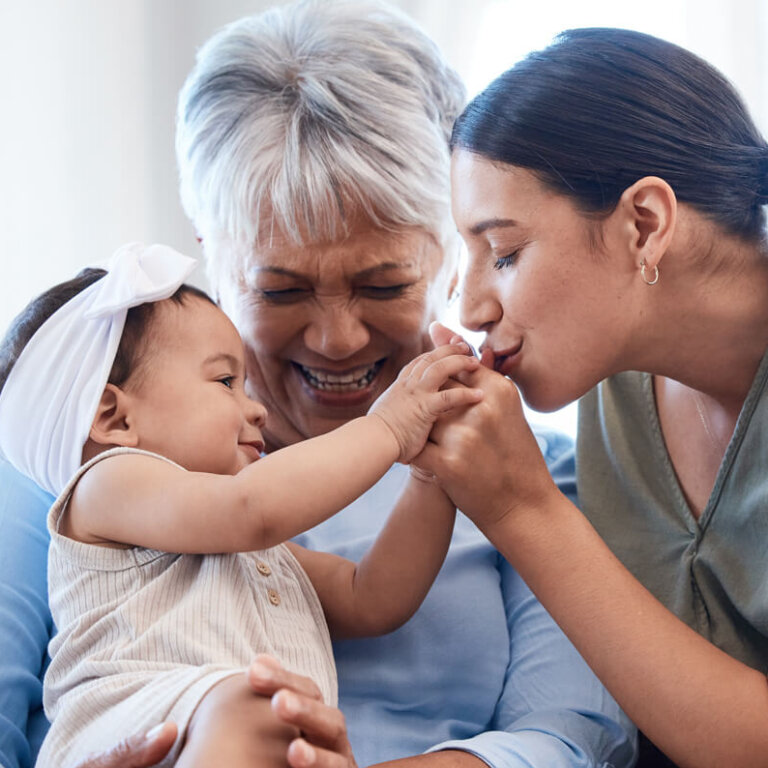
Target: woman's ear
{"points": [[113, 424], [649, 213]]}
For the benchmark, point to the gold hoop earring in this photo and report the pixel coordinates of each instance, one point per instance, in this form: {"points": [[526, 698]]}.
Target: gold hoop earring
{"points": [[654, 278]]}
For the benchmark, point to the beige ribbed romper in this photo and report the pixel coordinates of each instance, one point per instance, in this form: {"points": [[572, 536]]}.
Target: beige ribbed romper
{"points": [[143, 634]]}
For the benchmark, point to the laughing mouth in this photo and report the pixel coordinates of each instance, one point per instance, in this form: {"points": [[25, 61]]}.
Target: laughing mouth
{"points": [[347, 381]]}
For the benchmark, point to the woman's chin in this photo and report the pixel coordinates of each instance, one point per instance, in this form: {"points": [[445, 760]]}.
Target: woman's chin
{"points": [[544, 401]]}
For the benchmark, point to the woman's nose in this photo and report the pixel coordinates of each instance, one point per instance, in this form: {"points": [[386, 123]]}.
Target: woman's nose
{"points": [[336, 331]]}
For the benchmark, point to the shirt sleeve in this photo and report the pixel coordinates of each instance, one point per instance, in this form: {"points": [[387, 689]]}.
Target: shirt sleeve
{"points": [[25, 620], [553, 711]]}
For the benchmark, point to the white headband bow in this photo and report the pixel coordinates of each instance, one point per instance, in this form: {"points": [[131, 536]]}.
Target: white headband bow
{"points": [[50, 398]]}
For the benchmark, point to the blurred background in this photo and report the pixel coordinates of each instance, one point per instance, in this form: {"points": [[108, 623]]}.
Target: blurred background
{"points": [[89, 93]]}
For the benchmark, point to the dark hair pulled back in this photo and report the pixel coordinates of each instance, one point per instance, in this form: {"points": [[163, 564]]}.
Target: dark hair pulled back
{"points": [[601, 108]]}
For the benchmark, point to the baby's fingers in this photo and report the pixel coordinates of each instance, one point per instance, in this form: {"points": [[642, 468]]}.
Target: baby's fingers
{"points": [[438, 372], [455, 397], [441, 334], [416, 368]]}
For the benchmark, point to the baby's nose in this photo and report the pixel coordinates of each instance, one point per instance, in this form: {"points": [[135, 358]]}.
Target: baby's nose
{"points": [[256, 413]]}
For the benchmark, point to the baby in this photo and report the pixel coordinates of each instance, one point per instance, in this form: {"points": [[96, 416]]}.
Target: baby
{"points": [[123, 393]]}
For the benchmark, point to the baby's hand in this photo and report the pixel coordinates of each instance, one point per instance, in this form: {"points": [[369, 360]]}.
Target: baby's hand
{"points": [[415, 400]]}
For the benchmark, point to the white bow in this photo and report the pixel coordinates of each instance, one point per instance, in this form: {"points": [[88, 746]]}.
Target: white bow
{"points": [[50, 398]]}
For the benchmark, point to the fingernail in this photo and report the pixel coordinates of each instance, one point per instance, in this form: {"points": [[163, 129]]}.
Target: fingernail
{"points": [[306, 753], [153, 733], [261, 672]]}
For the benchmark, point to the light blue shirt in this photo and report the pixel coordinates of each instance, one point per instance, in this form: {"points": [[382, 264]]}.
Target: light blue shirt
{"points": [[481, 667], [25, 621]]}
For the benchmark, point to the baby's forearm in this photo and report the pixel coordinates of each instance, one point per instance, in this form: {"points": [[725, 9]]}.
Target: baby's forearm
{"points": [[391, 581], [153, 503], [297, 487]]}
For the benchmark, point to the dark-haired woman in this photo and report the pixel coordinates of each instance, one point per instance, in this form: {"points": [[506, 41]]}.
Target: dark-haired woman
{"points": [[610, 190]]}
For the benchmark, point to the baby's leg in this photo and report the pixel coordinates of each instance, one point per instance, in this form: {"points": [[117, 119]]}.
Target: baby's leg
{"points": [[233, 727]]}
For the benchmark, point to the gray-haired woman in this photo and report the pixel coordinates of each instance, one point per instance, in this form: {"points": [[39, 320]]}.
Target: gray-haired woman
{"points": [[313, 154]]}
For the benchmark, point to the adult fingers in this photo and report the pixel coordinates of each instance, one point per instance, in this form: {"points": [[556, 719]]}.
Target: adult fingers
{"points": [[321, 725], [267, 676], [301, 754], [138, 751]]}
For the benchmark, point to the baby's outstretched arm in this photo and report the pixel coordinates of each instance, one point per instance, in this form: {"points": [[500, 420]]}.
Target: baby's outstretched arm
{"points": [[389, 584], [142, 501]]}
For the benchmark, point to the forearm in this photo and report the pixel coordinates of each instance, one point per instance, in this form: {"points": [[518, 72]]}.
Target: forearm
{"points": [[390, 582], [699, 705], [297, 487], [394, 576]]}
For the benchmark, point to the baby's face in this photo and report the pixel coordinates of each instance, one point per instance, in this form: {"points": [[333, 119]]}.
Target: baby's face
{"points": [[188, 402]]}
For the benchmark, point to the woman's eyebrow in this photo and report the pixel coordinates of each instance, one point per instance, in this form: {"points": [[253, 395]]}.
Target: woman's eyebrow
{"points": [[275, 270], [387, 266], [483, 226]]}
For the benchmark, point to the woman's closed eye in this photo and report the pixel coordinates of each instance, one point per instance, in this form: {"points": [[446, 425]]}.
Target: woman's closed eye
{"points": [[383, 292], [507, 260], [284, 295]]}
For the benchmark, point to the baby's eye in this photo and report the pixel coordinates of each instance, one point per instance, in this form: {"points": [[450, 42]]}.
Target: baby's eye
{"points": [[227, 381]]}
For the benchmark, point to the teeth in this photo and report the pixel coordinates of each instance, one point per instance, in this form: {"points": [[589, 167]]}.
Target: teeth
{"points": [[350, 381]]}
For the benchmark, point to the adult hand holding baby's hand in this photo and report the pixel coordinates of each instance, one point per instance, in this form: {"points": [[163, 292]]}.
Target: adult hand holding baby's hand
{"points": [[486, 457], [418, 397]]}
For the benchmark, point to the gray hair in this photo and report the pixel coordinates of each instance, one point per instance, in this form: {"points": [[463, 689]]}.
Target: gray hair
{"points": [[311, 114]]}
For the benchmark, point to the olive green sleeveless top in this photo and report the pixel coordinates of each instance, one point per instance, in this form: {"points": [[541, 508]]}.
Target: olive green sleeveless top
{"points": [[712, 572]]}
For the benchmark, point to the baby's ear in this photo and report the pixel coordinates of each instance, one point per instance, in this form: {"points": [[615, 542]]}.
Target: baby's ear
{"points": [[112, 424]]}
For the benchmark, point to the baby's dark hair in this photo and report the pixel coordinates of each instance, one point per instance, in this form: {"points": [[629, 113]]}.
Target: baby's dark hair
{"points": [[137, 322]]}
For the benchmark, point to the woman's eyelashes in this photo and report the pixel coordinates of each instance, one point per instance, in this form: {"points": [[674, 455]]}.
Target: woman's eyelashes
{"points": [[285, 295], [293, 295], [382, 292], [507, 260], [227, 381]]}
